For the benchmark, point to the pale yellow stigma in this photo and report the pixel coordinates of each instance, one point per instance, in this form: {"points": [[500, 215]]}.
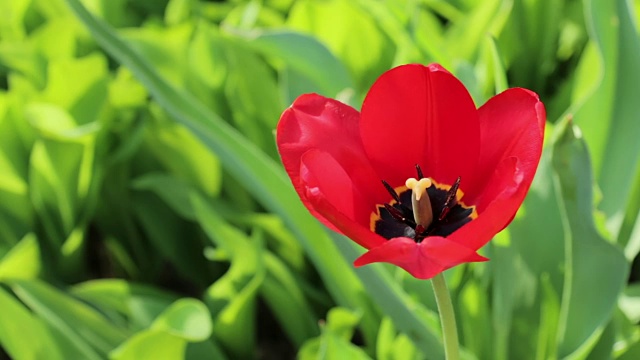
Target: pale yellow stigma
{"points": [[418, 187], [422, 212]]}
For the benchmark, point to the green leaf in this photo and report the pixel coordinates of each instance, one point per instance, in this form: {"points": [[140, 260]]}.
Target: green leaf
{"points": [[12, 27], [631, 354], [530, 40], [85, 327], [423, 42], [165, 49], [465, 35], [513, 295], [474, 316], [23, 335], [279, 238], [139, 303], [629, 235], [79, 86], [22, 261], [492, 71], [56, 40], [305, 56], [63, 179], [408, 316], [334, 343], [15, 206], [204, 350], [125, 92], [173, 191], [590, 259], [64, 167], [116, 12], [522, 257], [252, 94], [608, 116], [350, 33], [603, 349], [393, 346], [24, 60], [178, 11], [630, 302], [166, 232], [283, 294], [186, 318], [232, 298], [183, 322], [151, 344], [549, 314], [183, 154], [386, 337]]}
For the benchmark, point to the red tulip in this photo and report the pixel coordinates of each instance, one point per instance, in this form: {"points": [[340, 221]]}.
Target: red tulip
{"points": [[351, 169]]}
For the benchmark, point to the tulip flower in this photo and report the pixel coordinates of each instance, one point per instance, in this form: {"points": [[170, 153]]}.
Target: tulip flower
{"points": [[421, 178]]}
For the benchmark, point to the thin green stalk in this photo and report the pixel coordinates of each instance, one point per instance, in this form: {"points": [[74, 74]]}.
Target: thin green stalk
{"points": [[447, 317], [423, 216]]}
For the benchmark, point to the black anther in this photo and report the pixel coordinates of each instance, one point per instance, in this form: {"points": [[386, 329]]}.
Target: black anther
{"points": [[419, 170], [451, 200], [391, 191]]}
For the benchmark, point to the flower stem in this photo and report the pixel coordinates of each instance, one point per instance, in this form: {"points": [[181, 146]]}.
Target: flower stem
{"points": [[423, 215], [447, 317]]}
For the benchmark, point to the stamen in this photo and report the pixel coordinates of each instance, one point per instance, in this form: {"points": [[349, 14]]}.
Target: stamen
{"points": [[419, 171], [451, 200], [392, 219], [397, 214], [422, 212], [391, 191]]}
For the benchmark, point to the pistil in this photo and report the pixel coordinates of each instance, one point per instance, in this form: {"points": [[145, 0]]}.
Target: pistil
{"points": [[422, 211]]}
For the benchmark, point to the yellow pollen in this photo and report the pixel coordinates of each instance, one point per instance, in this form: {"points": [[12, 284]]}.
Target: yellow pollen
{"points": [[418, 187]]}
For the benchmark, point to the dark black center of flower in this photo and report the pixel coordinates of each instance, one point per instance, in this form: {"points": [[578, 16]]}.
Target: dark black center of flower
{"points": [[395, 219]]}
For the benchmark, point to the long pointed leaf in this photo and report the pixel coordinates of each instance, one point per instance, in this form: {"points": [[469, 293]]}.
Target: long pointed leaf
{"points": [[591, 261]]}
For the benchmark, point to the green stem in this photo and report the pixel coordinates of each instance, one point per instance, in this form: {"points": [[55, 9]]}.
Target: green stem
{"points": [[423, 215], [447, 317]]}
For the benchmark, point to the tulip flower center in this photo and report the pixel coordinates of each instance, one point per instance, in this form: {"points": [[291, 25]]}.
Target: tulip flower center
{"points": [[439, 210]]}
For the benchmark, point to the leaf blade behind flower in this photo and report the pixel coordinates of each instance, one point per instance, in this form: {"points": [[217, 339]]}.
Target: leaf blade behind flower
{"points": [[590, 261], [605, 104]]}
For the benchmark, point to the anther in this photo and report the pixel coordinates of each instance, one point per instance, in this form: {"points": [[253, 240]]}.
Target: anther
{"points": [[419, 171], [397, 214], [391, 191], [451, 200]]}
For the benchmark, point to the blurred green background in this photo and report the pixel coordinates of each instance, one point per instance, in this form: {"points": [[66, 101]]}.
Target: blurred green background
{"points": [[144, 213]]}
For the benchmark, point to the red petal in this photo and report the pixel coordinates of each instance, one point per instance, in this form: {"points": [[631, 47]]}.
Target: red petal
{"points": [[497, 206], [316, 122], [332, 193], [511, 124], [422, 260], [417, 114]]}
